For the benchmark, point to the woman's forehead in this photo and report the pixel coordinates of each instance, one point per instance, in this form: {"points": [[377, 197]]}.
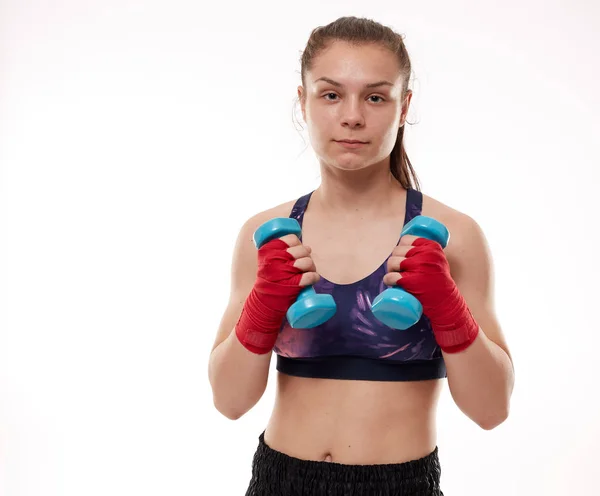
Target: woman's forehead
{"points": [[355, 64]]}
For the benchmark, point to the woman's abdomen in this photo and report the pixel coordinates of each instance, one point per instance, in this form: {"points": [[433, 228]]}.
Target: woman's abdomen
{"points": [[353, 422]]}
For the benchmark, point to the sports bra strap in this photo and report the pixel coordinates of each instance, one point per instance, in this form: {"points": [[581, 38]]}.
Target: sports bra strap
{"points": [[300, 207], [414, 205]]}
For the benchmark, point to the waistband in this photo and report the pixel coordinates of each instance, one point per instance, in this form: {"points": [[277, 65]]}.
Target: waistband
{"points": [[272, 464]]}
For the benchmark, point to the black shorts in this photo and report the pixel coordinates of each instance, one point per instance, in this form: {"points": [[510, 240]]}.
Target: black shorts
{"points": [[277, 474]]}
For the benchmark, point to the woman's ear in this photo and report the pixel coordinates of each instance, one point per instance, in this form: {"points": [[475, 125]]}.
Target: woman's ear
{"points": [[302, 99], [405, 107]]}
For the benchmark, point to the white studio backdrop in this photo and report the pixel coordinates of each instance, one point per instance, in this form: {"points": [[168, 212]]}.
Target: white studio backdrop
{"points": [[137, 137]]}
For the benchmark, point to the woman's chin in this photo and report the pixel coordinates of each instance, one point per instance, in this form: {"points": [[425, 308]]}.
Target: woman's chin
{"points": [[349, 165]]}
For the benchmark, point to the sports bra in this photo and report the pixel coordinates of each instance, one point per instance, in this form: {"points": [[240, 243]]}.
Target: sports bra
{"points": [[353, 344]]}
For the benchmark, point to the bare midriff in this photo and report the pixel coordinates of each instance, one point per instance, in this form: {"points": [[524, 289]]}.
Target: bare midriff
{"points": [[353, 422]]}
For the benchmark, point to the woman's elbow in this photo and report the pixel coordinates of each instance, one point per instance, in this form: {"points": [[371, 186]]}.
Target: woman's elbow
{"points": [[492, 420], [236, 408], [227, 411]]}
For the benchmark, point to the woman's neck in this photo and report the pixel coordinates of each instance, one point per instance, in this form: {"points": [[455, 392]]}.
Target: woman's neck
{"points": [[369, 192]]}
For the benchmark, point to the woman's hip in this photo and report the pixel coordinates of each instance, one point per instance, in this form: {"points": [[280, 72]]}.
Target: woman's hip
{"points": [[275, 473]]}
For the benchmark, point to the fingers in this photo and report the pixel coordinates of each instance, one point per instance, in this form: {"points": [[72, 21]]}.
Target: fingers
{"points": [[299, 251], [410, 245], [391, 278], [412, 254], [393, 263], [393, 275], [309, 278], [407, 240], [310, 275], [290, 240], [294, 242], [401, 250], [305, 264]]}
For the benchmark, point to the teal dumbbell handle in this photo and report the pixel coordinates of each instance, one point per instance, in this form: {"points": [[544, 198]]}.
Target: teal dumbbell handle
{"points": [[310, 309], [395, 307]]}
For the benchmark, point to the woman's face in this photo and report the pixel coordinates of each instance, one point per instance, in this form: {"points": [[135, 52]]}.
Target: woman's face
{"points": [[342, 100]]}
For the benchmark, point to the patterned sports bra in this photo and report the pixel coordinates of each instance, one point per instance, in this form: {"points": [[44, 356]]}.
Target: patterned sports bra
{"points": [[353, 344]]}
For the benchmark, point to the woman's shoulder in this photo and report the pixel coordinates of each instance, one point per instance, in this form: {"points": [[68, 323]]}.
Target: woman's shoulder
{"points": [[256, 220], [442, 212], [466, 234]]}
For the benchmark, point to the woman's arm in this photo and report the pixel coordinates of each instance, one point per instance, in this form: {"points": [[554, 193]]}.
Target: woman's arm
{"points": [[481, 377], [238, 377]]}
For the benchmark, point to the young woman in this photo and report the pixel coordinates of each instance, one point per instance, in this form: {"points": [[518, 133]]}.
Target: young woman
{"points": [[356, 400]]}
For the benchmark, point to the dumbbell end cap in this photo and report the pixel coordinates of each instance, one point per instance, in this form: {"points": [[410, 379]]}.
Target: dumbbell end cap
{"points": [[276, 228], [429, 228], [397, 309], [311, 311]]}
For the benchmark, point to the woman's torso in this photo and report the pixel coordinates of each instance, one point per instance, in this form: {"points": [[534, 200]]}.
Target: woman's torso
{"points": [[354, 421]]}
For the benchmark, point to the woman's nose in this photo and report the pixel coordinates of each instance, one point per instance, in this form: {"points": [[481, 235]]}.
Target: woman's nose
{"points": [[352, 114]]}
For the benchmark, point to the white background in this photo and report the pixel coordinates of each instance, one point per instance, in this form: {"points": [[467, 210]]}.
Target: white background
{"points": [[137, 137]]}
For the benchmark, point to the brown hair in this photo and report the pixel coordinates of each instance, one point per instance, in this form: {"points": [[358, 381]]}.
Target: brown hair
{"points": [[359, 31]]}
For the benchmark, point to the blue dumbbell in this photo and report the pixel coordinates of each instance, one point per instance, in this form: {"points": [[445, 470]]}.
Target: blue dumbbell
{"points": [[395, 307], [310, 309]]}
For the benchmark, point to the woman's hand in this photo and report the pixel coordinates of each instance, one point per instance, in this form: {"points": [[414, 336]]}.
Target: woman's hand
{"points": [[419, 266]]}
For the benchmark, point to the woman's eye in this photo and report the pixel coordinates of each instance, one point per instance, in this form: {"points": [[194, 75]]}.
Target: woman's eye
{"points": [[327, 95]]}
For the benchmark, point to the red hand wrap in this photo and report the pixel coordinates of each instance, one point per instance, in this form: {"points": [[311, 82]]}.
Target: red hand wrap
{"points": [[426, 275], [276, 288]]}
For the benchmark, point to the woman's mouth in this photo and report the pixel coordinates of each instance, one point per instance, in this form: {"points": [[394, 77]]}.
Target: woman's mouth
{"points": [[351, 143]]}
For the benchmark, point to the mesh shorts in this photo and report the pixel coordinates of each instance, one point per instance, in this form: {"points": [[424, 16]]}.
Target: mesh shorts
{"points": [[277, 474]]}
